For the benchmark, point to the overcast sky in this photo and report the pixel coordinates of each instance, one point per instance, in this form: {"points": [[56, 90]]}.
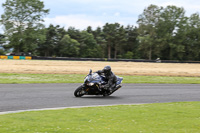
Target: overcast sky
{"points": [[83, 13]]}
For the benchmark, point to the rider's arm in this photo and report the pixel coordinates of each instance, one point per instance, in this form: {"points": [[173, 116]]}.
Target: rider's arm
{"points": [[99, 72]]}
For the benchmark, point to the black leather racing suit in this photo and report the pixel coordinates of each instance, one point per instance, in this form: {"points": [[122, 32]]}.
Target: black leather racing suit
{"points": [[110, 78]]}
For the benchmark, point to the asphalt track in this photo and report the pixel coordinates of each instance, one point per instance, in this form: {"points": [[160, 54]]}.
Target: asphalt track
{"points": [[15, 97]]}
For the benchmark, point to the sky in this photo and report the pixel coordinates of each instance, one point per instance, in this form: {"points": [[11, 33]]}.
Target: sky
{"points": [[83, 13]]}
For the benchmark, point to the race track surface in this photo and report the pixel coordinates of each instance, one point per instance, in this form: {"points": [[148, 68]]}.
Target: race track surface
{"points": [[37, 96]]}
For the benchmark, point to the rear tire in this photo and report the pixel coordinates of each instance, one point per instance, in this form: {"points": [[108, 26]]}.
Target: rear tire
{"points": [[79, 92]]}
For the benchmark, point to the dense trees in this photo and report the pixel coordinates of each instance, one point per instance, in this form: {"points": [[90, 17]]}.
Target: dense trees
{"points": [[167, 33], [22, 19], [69, 47], [163, 32], [2, 37], [52, 41]]}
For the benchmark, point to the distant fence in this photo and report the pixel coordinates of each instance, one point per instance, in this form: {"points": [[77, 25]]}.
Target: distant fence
{"points": [[89, 59], [105, 59], [15, 57]]}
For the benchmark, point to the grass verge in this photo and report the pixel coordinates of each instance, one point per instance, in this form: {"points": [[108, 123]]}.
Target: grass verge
{"points": [[9, 78], [147, 118]]}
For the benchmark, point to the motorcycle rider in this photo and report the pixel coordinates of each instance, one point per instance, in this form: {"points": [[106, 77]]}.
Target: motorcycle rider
{"points": [[110, 78]]}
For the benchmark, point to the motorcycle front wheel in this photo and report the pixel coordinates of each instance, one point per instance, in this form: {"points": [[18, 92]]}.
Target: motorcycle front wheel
{"points": [[79, 92]]}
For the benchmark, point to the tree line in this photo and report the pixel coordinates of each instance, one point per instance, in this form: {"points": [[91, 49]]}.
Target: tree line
{"points": [[164, 32]]}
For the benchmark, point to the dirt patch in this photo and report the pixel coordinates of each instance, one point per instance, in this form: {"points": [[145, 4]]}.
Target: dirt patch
{"points": [[82, 67]]}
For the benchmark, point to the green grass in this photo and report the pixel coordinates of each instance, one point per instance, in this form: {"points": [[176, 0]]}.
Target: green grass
{"points": [[182, 117], [77, 78], [162, 79], [6, 78]]}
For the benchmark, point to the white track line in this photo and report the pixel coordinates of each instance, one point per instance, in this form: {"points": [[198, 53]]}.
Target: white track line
{"points": [[58, 108]]}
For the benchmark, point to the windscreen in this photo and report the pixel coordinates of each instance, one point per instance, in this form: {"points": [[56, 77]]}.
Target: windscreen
{"points": [[93, 77], [96, 76]]}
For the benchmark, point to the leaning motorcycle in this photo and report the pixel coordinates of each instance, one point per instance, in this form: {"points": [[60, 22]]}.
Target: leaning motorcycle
{"points": [[94, 85]]}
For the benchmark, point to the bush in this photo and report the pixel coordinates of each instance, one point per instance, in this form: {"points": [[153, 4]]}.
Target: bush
{"points": [[129, 55]]}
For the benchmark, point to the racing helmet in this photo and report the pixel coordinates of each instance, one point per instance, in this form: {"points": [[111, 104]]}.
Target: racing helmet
{"points": [[107, 70]]}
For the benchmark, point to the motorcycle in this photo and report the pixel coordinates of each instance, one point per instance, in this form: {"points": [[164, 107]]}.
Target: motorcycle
{"points": [[94, 84]]}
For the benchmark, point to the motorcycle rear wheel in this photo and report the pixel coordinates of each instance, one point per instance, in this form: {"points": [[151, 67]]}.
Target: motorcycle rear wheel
{"points": [[79, 92]]}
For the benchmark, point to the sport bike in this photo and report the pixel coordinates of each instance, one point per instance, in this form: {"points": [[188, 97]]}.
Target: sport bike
{"points": [[94, 84]]}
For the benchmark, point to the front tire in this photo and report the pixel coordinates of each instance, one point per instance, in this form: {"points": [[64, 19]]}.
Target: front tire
{"points": [[79, 92]]}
